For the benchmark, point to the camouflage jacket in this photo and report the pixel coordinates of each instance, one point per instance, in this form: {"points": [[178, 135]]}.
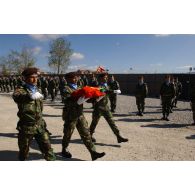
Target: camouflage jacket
{"points": [[113, 86], [167, 91], [141, 90], [30, 111], [103, 103], [71, 108]]}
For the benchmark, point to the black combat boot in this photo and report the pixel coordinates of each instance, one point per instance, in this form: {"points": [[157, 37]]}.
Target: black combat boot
{"points": [[121, 139], [95, 155], [66, 154]]}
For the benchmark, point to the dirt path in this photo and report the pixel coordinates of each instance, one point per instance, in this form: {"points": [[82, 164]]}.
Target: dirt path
{"points": [[149, 137]]}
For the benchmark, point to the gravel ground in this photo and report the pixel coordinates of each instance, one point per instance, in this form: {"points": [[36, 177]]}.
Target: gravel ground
{"points": [[149, 137]]}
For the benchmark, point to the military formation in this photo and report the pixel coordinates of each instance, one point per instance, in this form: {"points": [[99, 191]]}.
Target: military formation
{"points": [[31, 89]]}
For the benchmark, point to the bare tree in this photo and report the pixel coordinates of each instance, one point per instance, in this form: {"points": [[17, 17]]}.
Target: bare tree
{"points": [[59, 54], [27, 58]]}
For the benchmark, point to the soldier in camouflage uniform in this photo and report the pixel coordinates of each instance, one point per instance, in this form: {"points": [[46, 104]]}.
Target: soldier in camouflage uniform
{"points": [[19, 82], [7, 84], [93, 82], [113, 85], [52, 88], [141, 91], [31, 124], [73, 117], [167, 93], [44, 86], [14, 83], [172, 82], [178, 88], [1, 85], [192, 100], [102, 109], [62, 84]]}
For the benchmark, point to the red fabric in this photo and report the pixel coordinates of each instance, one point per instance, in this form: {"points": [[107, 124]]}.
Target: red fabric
{"points": [[88, 92], [100, 69]]}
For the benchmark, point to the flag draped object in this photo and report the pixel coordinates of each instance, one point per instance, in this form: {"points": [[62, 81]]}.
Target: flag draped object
{"points": [[88, 93]]}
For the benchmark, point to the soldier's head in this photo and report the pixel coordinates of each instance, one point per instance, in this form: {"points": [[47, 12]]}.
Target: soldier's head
{"points": [[31, 75], [176, 79], [172, 79], [141, 79], [71, 77], [103, 77], [167, 78]]}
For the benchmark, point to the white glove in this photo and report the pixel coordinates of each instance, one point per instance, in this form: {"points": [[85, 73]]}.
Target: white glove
{"points": [[81, 100], [37, 96], [117, 91], [98, 99]]}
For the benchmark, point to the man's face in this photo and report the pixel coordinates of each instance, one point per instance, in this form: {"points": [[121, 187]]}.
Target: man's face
{"points": [[167, 79], [73, 80], [32, 79], [105, 78]]}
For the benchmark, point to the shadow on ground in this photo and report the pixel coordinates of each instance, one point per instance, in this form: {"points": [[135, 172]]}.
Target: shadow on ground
{"points": [[171, 125], [52, 115], [136, 120], [11, 135], [190, 137]]}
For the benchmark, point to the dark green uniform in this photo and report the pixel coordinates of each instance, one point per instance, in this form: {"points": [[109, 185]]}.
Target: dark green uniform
{"points": [[167, 93], [52, 88], [1, 85], [178, 90], [114, 85], [73, 117], [101, 108], [7, 85], [141, 91], [44, 86], [192, 99], [31, 124]]}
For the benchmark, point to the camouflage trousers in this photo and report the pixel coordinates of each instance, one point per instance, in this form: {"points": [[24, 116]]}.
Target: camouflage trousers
{"points": [[42, 138], [166, 106], [140, 102], [113, 100], [97, 113], [82, 126], [193, 109]]}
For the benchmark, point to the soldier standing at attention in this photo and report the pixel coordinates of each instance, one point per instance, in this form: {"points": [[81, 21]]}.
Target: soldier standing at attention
{"points": [[172, 81], [141, 91], [52, 87], [73, 117], [113, 85], [44, 86], [178, 87], [1, 85], [167, 93], [101, 108], [192, 100], [31, 124]]}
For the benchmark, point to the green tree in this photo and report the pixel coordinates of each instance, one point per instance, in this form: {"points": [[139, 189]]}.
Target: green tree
{"points": [[59, 54]]}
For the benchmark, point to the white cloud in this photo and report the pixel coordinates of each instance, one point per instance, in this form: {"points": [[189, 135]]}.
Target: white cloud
{"points": [[77, 56], [162, 35], [36, 50], [81, 67], [184, 67], [46, 37]]}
